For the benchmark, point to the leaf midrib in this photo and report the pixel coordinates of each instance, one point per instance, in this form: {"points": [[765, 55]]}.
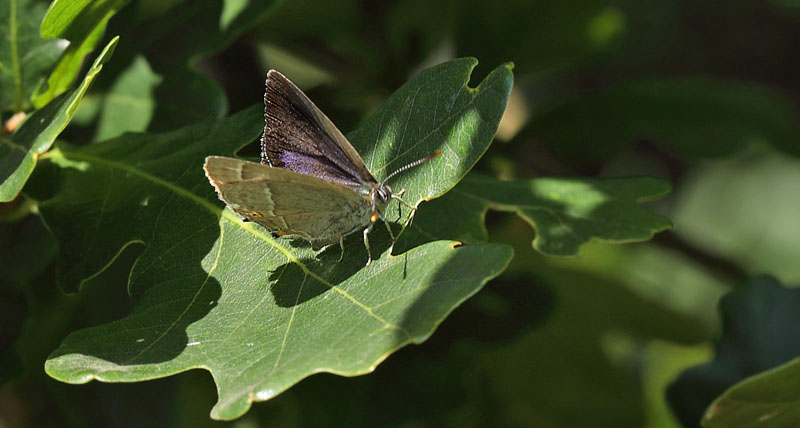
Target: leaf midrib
{"points": [[227, 215]]}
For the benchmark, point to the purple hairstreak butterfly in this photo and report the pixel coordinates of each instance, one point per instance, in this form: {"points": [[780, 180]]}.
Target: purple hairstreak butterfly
{"points": [[311, 183]]}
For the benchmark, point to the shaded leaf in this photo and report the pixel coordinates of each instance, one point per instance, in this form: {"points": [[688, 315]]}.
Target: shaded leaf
{"points": [[20, 150], [760, 331], [26, 250], [259, 312], [25, 57], [566, 212], [690, 116]]}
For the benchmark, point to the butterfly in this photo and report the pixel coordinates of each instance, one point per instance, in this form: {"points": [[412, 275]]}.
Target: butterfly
{"points": [[311, 182]]}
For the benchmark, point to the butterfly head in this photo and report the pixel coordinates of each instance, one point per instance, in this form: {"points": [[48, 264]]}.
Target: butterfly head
{"points": [[379, 196]]}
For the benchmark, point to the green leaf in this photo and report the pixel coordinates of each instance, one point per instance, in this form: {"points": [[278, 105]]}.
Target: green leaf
{"points": [[24, 56], [260, 313], [20, 150], [691, 116], [766, 399], [83, 23], [566, 212]]}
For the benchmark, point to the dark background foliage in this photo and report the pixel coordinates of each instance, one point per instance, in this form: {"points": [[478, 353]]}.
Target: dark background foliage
{"points": [[702, 94]]}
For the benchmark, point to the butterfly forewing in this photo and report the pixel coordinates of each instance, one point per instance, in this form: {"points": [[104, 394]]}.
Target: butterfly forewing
{"points": [[300, 138], [288, 203]]}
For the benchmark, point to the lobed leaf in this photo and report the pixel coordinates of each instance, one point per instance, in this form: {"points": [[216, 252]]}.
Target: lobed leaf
{"points": [[258, 312], [566, 212]]}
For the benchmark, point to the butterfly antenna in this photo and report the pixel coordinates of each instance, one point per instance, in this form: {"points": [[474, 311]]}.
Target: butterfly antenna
{"points": [[412, 165]]}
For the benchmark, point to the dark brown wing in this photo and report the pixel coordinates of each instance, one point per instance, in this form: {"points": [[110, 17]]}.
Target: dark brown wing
{"points": [[299, 137]]}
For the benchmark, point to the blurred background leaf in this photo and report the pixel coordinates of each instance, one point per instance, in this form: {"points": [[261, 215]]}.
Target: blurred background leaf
{"points": [[687, 117], [760, 331], [168, 38], [758, 234]]}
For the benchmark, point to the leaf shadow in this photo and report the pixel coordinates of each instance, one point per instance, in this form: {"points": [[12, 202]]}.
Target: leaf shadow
{"points": [[182, 298]]}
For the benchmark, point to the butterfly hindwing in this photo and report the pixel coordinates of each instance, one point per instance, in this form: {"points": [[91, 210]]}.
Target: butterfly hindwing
{"points": [[285, 202]]}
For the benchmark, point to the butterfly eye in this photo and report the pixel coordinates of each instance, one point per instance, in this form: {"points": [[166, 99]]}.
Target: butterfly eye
{"points": [[382, 194]]}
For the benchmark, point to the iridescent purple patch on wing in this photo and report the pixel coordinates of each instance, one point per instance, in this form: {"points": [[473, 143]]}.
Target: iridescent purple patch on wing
{"points": [[317, 166]]}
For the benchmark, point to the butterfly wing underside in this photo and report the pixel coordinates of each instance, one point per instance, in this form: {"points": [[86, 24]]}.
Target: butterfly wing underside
{"points": [[288, 203], [299, 137]]}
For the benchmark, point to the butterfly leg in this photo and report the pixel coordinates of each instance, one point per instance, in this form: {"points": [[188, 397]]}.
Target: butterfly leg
{"points": [[341, 245], [388, 228], [391, 234], [411, 207], [366, 243], [397, 196]]}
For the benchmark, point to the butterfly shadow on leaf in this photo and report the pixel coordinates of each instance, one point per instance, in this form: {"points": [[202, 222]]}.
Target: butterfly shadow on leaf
{"points": [[290, 285]]}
